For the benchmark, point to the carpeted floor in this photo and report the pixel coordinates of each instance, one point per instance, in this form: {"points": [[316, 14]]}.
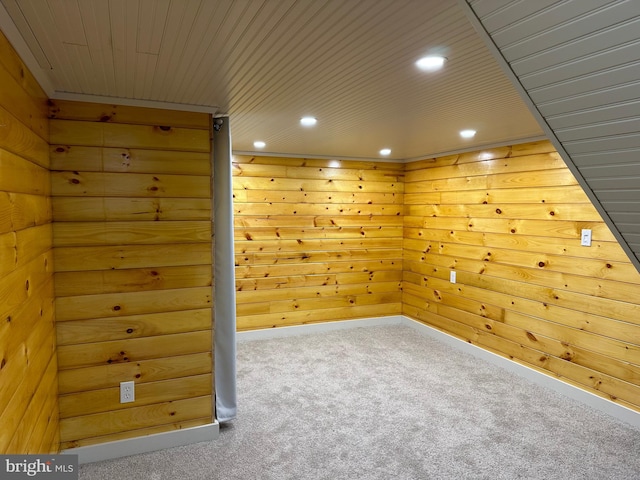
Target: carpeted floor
{"points": [[386, 402]]}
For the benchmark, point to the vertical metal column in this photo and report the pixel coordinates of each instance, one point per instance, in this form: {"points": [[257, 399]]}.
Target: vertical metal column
{"points": [[224, 274]]}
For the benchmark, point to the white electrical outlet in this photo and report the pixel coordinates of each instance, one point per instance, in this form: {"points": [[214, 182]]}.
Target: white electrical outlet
{"points": [[452, 276], [127, 392], [585, 239]]}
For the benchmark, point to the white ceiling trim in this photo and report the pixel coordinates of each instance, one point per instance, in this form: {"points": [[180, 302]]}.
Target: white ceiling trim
{"points": [[131, 102]]}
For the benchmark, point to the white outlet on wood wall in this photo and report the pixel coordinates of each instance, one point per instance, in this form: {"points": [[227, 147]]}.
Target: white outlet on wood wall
{"points": [[127, 392]]}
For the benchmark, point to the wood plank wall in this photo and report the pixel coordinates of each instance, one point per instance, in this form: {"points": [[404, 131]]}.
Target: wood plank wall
{"points": [[131, 202], [509, 222], [28, 369], [316, 240]]}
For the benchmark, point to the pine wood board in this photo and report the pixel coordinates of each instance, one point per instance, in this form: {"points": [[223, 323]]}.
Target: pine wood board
{"points": [[605, 250], [316, 291], [116, 257], [98, 184], [103, 113], [298, 281], [312, 245], [141, 432], [112, 209], [568, 195], [20, 175], [84, 307], [530, 163], [20, 285], [551, 178], [249, 271], [303, 209], [428, 294], [31, 111], [454, 159], [84, 234], [592, 286], [46, 417], [483, 155], [522, 211], [338, 221], [532, 148], [582, 266], [132, 280], [541, 228], [108, 399], [20, 211], [341, 198], [20, 140], [561, 195], [128, 160], [133, 350], [8, 253], [317, 163], [292, 233], [133, 326], [50, 441], [134, 418], [275, 170], [21, 247], [508, 151], [36, 314], [311, 185], [569, 331], [106, 376], [15, 401], [12, 62], [310, 304], [272, 320], [272, 258], [37, 416], [22, 333], [97, 134]]}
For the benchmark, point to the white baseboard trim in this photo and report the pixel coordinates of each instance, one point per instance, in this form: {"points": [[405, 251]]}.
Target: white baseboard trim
{"points": [[145, 444], [281, 332], [608, 407], [615, 410]]}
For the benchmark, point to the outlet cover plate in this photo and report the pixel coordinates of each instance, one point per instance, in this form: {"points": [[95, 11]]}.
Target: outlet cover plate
{"points": [[127, 392]]}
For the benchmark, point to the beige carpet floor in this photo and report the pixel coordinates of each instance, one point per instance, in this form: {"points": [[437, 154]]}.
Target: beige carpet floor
{"points": [[388, 403]]}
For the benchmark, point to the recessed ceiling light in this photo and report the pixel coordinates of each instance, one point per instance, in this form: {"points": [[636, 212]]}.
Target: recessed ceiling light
{"points": [[467, 133], [259, 144], [308, 121], [431, 63], [385, 151]]}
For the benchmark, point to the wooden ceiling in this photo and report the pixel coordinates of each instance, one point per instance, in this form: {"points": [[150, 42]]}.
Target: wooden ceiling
{"points": [[266, 63]]}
